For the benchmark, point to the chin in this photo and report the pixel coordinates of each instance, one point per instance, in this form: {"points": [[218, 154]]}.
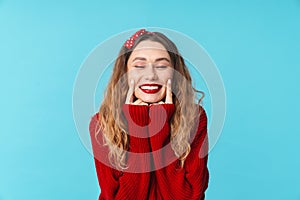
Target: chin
{"points": [[151, 100]]}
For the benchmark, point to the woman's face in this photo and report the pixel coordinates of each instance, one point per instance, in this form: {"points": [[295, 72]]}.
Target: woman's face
{"points": [[149, 65]]}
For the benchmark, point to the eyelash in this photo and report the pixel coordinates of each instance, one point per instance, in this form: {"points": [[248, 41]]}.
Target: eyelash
{"points": [[159, 67]]}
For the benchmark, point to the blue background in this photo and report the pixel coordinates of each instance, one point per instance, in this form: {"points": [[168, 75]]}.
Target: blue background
{"points": [[255, 45]]}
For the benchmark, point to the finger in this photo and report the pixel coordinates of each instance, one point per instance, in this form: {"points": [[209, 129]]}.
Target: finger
{"points": [[160, 102], [130, 96], [137, 102], [169, 92], [143, 103], [140, 102]]}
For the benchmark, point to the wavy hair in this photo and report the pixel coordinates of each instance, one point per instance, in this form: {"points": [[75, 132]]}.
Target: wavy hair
{"points": [[113, 123]]}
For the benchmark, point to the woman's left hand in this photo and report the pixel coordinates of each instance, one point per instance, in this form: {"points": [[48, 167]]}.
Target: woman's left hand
{"points": [[169, 98]]}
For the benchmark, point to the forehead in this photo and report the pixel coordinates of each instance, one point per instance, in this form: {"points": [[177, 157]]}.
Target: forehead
{"points": [[149, 50]]}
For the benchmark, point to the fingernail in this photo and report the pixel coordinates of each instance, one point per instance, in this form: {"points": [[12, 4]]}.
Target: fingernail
{"points": [[131, 81], [169, 81]]}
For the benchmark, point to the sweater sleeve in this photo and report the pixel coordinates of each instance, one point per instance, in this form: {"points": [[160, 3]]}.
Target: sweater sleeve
{"points": [[174, 182], [125, 184]]}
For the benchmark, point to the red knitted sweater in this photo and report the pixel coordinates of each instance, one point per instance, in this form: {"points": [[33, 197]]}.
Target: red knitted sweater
{"points": [[169, 180]]}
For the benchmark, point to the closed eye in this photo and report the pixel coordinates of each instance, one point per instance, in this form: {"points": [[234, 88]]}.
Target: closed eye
{"points": [[139, 66], [161, 67]]}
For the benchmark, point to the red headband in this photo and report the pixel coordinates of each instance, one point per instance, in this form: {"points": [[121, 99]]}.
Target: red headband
{"points": [[130, 42]]}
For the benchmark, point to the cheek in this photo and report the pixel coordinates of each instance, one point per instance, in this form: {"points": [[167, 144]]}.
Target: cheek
{"points": [[166, 75], [133, 75]]}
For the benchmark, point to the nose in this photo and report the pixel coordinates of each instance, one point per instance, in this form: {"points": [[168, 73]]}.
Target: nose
{"points": [[150, 72]]}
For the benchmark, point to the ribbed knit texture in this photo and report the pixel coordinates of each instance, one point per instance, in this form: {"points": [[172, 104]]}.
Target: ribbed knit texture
{"points": [[169, 182]]}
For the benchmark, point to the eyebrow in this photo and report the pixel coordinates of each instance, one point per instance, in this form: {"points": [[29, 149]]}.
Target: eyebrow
{"points": [[144, 59]]}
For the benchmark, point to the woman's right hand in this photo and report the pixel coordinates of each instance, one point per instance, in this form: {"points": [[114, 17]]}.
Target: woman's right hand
{"points": [[130, 96]]}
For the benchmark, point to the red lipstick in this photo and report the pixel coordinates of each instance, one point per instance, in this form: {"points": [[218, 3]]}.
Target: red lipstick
{"points": [[150, 88]]}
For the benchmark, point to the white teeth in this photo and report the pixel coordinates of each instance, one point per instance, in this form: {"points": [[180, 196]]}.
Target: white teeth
{"points": [[149, 87]]}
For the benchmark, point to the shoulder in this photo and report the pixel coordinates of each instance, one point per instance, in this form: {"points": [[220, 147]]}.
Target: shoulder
{"points": [[96, 133], [100, 149], [94, 124], [95, 116], [94, 119], [200, 129], [202, 114]]}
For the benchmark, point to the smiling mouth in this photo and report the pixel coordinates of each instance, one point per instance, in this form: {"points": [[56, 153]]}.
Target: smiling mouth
{"points": [[150, 88]]}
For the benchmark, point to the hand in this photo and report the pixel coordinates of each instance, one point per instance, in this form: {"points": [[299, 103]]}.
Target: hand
{"points": [[130, 96], [169, 98]]}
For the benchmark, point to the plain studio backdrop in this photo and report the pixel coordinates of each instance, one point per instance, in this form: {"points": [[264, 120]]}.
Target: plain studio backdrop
{"points": [[255, 45]]}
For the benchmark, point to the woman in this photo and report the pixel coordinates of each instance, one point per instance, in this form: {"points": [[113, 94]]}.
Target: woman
{"points": [[149, 137]]}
